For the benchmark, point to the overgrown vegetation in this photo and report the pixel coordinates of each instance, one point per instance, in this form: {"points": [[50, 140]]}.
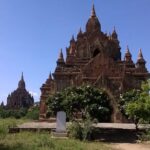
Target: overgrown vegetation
{"points": [[40, 141], [81, 130], [145, 136], [83, 99], [135, 104], [32, 113]]}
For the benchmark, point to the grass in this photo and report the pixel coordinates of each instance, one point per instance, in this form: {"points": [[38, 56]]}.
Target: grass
{"points": [[40, 141]]}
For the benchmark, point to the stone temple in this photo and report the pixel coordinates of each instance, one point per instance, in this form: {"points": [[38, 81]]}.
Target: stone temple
{"points": [[95, 58], [20, 98]]}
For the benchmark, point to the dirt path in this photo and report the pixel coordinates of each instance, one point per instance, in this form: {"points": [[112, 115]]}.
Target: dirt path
{"points": [[130, 146]]}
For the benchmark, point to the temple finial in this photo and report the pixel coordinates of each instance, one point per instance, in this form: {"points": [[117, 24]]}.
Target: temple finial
{"points": [[72, 39], [140, 55], [50, 75], [61, 54], [93, 13], [22, 78], [127, 51]]}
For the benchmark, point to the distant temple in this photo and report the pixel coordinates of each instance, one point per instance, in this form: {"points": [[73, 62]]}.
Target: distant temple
{"points": [[20, 98], [95, 58]]}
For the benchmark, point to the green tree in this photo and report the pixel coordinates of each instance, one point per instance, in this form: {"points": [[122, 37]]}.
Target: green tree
{"points": [[84, 99], [135, 104]]}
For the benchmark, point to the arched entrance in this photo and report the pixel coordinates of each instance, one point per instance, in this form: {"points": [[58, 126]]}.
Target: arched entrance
{"points": [[104, 83], [96, 52]]}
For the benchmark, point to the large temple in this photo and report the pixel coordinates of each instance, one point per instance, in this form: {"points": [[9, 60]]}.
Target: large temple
{"points": [[20, 98], [95, 58]]}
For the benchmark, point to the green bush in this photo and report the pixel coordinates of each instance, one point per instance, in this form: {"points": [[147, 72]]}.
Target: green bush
{"points": [[145, 136], [33, 113], [87, 130], [9, 113], [81, 130], [75, 130]]}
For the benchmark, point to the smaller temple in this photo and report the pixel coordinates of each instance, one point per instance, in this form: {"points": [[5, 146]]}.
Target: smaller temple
{"points": [[20, 98]]}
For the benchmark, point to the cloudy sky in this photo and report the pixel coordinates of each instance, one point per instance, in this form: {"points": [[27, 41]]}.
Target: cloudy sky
{"points": [[33, 31]]}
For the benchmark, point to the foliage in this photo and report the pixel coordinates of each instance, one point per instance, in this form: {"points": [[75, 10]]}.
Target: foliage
{"points": [[81, 130], [33, 113], [84, 99], [75, 130], [5, 124], [7, 113], [135, 104], [145, 136]]}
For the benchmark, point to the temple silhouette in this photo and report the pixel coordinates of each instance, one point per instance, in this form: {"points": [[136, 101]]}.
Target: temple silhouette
{"points": [[20, 98]]}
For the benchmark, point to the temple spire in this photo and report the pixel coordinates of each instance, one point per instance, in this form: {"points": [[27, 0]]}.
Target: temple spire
{"points": [[141, 61], [79, 33], [22, 78], [127, 51], [61, 57], [128, 56], [140, 55], [93, 13], [72, 39], [60, 60], [93, 25], [50, 75], [21, 84]]}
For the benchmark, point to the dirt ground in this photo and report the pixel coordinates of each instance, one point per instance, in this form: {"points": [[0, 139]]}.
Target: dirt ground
{"points": [[131, 146]]}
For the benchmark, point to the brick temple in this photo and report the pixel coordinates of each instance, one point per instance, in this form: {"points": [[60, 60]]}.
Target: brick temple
{"points": [[20, 98], [95, 58]]}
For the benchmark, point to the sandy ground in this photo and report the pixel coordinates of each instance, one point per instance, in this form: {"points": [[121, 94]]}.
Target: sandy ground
{"points": [[130, 146]]}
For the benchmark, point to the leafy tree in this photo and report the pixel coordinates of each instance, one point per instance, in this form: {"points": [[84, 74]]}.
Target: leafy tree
{"points": [[84, 99], [135, 104]]}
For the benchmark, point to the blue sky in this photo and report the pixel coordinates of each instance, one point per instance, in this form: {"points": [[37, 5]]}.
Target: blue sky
{"points": [[33, 31]]}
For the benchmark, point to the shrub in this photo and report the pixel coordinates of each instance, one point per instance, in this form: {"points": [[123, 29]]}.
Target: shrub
{"points": [[81, 130], [33, 113], [7, 113], [145, 136], [75, 130], [87, 130]]}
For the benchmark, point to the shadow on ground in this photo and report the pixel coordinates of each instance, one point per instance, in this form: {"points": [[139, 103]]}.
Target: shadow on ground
{"points": [[116, 135]]}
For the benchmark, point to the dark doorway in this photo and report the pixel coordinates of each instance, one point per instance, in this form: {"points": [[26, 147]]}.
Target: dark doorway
{"points": [[96, 52]]}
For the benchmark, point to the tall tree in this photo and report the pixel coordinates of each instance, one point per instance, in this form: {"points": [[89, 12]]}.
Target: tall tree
{"points": [[135, 104]]}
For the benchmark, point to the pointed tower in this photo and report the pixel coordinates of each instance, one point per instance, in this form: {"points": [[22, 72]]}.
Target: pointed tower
{"points": [[80, 33], [140, 61], [72, 40], [21, 84], [50, 76], [60, 61], [93, 24], [72, 46], [128, 59], [114, 34], [128, 56], [47, 89]]}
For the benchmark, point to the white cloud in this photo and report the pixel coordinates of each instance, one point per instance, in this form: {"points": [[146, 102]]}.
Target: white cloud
{"points": [[33, 93]]}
